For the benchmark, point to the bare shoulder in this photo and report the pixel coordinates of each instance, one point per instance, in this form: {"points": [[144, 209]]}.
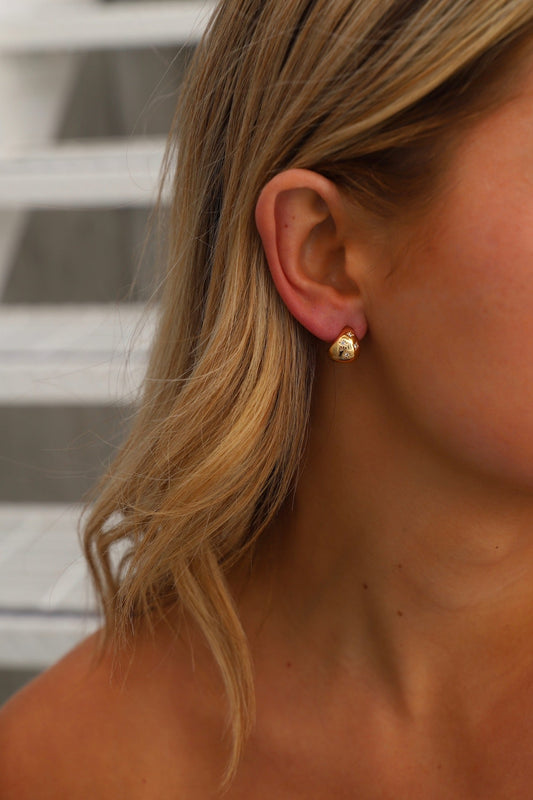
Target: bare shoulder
{"points": [[95, 726], [40, 726]]}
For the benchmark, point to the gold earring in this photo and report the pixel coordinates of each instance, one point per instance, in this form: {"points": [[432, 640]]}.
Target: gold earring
{"points": [[345, 347]]}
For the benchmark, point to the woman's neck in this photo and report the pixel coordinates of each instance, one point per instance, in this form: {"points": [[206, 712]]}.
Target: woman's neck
{"points": [[394, 558]]}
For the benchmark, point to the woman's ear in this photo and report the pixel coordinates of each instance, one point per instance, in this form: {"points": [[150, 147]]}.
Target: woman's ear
{"points": [[304, 224]]}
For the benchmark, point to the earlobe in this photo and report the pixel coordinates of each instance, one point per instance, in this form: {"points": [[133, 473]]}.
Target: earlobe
{"points": [[301, 218]]}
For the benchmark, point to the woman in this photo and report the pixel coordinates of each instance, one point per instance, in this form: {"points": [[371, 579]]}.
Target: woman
{"points": [[325, 587]]}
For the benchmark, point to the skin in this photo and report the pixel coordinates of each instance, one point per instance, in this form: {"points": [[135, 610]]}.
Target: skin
{"points": [[390, 608]]}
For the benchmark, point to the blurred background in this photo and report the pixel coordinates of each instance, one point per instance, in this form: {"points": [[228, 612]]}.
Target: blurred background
{"points": [[87, 94]]}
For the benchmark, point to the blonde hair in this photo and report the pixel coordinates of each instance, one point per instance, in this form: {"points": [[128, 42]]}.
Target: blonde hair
{"points": [[363, 91]]}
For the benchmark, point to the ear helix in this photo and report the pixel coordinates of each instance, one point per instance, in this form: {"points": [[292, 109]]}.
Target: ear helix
{"points": [[346, 347]]}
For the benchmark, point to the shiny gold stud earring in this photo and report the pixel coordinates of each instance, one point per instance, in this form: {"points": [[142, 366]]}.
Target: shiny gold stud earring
{"points": [[345, 347]]}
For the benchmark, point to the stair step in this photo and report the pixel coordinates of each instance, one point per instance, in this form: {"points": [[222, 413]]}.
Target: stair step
{"points": [[72, 354], [96, 173], [96, 26], [46, 601]]}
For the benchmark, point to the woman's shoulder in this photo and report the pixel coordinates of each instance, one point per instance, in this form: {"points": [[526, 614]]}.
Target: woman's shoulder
{"points": [[102, 726], [49, 728]]}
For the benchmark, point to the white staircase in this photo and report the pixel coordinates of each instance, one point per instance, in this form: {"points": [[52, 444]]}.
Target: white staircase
{"points": [[82, 174], [69, 355], [73, 25], [65, 354], [45, 599]]}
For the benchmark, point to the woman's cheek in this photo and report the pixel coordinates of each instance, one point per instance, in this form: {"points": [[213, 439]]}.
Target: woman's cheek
{"points": [[456, 324]]}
